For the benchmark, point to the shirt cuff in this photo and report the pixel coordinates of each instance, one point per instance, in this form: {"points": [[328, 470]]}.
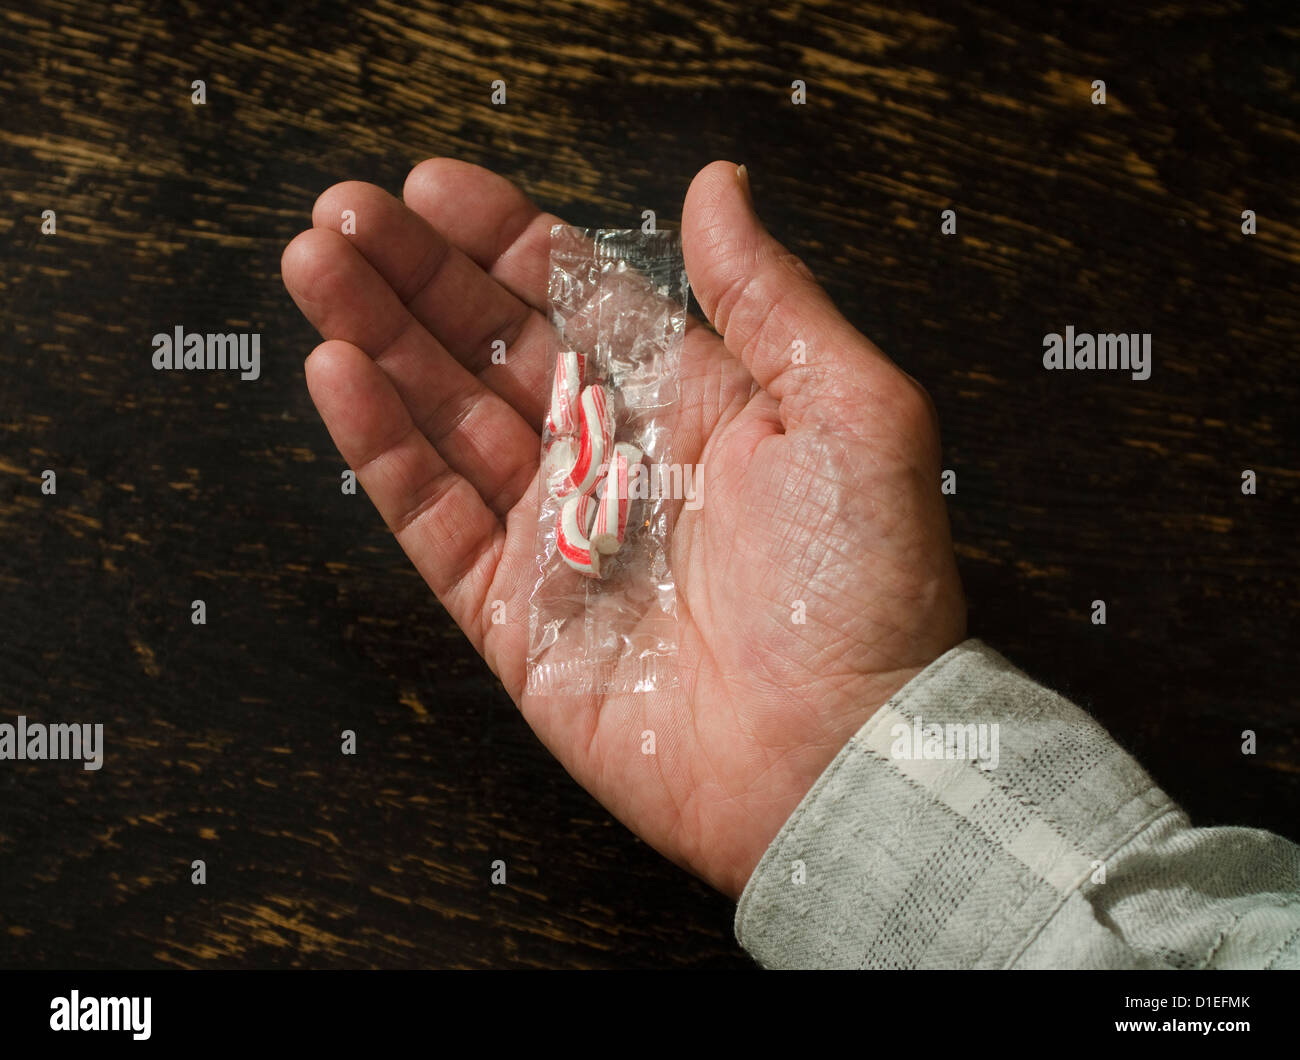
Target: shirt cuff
{"points": [[980, 820]]}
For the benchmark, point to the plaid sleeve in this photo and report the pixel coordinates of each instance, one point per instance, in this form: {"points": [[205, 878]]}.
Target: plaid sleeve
{"points": [[980, 820]]}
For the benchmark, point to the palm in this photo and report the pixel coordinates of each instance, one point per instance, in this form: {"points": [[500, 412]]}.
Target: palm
{"points": [[813, 582]]}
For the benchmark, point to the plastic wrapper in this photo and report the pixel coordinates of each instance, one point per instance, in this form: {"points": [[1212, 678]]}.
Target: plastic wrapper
{"points": [[606, 622]]}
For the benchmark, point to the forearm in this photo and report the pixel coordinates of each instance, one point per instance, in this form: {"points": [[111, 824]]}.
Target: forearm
{"points": [[1058, 851]]}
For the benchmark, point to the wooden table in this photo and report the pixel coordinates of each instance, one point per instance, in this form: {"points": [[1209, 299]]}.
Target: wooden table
{"points": [[1072, 486]]}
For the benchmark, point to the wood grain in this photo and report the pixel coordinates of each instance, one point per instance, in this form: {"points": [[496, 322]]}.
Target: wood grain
{"points": [[1071, 486]]}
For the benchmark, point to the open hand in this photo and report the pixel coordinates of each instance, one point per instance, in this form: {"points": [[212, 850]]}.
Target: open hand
{"points": [[822, 487]]}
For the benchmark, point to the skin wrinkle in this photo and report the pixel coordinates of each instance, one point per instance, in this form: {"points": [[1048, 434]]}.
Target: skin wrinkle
{"points": [[526, 465], [527, 342], [829, 654], [511, 491], [826, 744], [433, 499], [455, 409], [809, 588], [393, 353], [484, 609], [369, 461], [850, 560], [312, 263], [529, 376], [725, 253], [520, 225], [510, 568], [678, 805], [726, 300], [773, 763], [705, 295], [385, 349], [467, 584], [431, 493], [495, 504], [776, 581], [496, 258], [826, 492], [724, 398], [821, 636], [771, 310], [807, 532], [509, 329], [793, 668], [835, 522], [439, 253], [796, 263]]}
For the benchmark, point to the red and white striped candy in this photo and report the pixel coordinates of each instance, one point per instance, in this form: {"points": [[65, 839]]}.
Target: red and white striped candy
{"points": [[611, 515], [565, 388], [572, 527], [561, 455], [595, 438]]}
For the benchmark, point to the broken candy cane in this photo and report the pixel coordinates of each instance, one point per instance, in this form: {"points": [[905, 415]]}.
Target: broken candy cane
{"points": [[571, 540], [611, 515], [565, 388], [595, 438], [560, 457]]}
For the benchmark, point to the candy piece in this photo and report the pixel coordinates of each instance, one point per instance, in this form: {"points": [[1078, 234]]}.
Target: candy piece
{"points": [[611, 515], [561, 455], [595, 439], [571, 535], [565, 388]]}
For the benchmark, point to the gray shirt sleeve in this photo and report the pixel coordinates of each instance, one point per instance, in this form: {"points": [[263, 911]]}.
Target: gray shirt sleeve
{"points": [[980, 820]]}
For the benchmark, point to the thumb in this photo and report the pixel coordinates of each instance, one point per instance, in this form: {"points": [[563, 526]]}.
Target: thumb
{"points": [[772, 314]]}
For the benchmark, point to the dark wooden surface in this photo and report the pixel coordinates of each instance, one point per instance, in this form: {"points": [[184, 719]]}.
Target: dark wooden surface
{"points": [[222, 740]]}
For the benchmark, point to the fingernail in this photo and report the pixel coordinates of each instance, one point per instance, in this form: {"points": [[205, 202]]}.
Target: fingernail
{"points": [[742, 176]]}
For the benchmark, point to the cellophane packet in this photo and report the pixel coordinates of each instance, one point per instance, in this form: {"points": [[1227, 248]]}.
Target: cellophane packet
{"points": [[618, 300]]}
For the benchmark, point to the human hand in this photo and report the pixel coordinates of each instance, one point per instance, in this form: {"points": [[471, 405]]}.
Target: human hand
{"points": [[821, 487]]}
